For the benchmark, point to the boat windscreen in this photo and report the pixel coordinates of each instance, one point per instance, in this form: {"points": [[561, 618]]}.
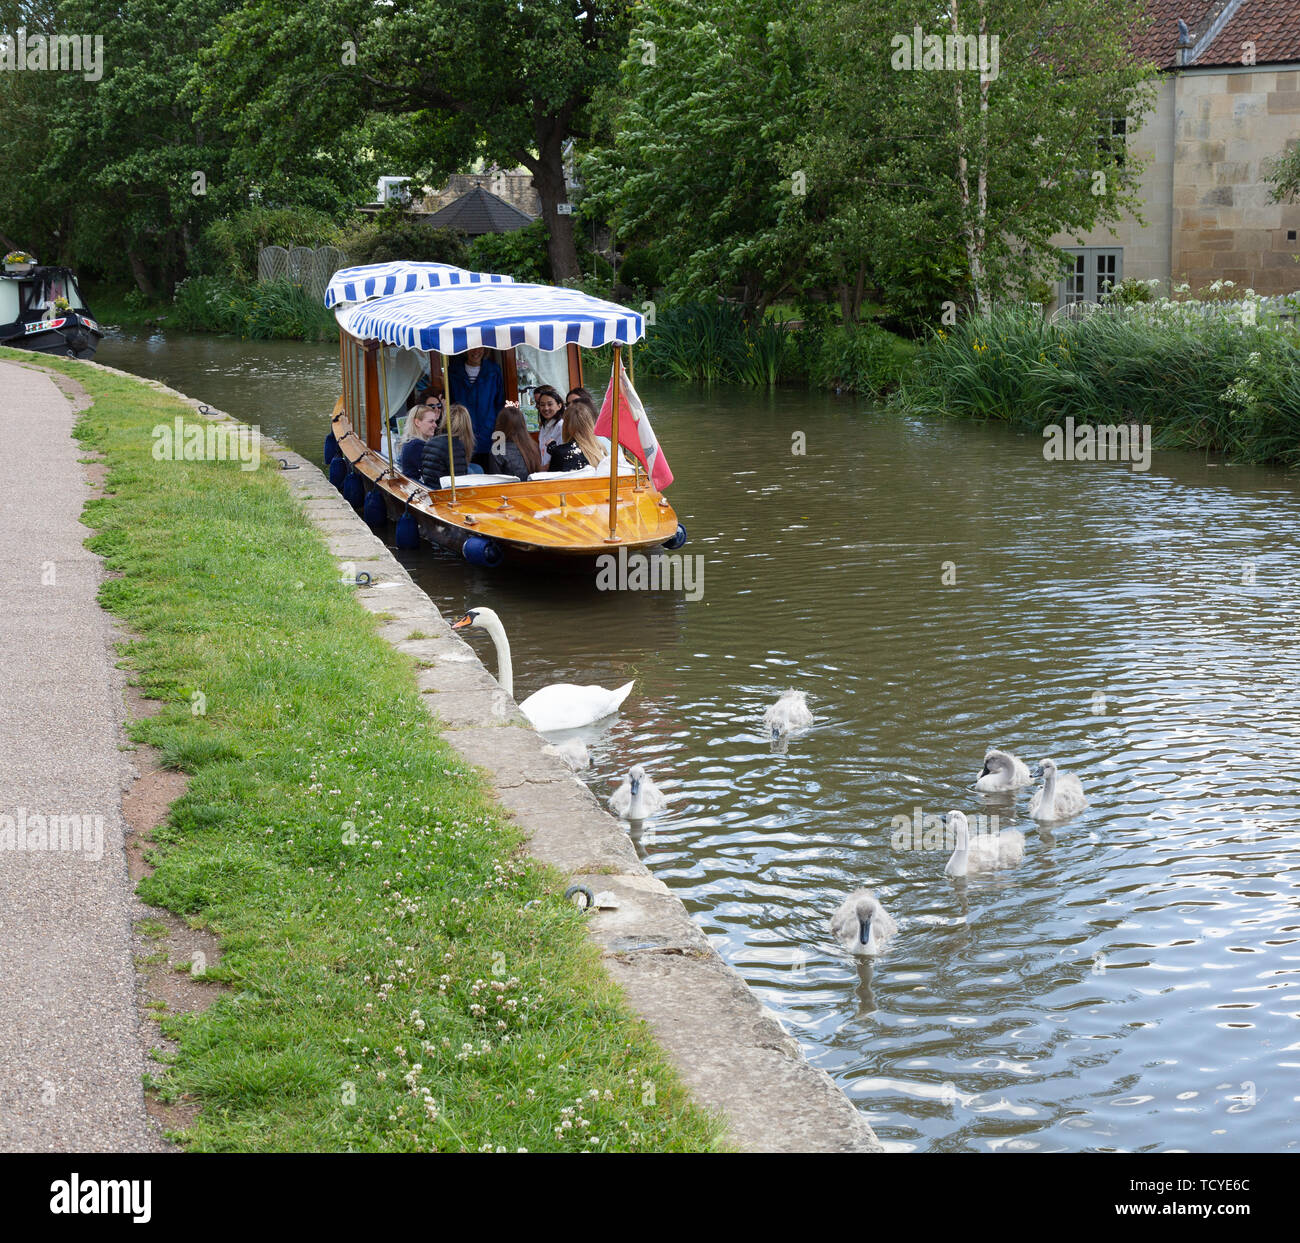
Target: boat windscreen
{"points": [[536, 368], [60, 283], [10, 306]]}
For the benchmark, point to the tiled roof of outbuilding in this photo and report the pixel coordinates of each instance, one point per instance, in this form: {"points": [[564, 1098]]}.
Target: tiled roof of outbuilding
{"points": [[480, 211]]}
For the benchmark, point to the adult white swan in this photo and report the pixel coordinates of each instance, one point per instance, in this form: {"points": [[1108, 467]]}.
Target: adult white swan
{"points": [[553, 708], [986, 852], [638, 797], [862, 926], [1002, 771], [1060, 797]]}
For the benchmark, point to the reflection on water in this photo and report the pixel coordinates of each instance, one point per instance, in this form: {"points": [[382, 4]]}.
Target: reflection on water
{"points": [[1132, 984]]}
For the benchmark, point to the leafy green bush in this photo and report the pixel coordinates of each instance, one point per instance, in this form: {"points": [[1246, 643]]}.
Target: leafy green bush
{"points": [[862, 358], [915, 282], [1205, 383], [1131, 292], [231, 244], [393, 235], [711, 343], [695, 342], [521, 253], [641, 270]]}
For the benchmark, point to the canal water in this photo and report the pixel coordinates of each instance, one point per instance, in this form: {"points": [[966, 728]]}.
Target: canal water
{"points": [[936, 588]]}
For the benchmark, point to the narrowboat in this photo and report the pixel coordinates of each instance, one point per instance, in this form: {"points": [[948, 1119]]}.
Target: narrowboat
{"points": [[406, 322], [41, 308]]}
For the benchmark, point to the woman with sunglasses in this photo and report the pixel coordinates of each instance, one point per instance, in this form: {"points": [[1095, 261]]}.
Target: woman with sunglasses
{"points": [[421, 424]]}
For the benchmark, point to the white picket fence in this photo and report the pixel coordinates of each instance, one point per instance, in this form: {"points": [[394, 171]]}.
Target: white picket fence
{"points": [[1277, 309], [310, 267]]}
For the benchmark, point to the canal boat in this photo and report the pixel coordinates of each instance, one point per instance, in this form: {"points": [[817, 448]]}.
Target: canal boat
{"points": [[41, 308], [387, 341]]}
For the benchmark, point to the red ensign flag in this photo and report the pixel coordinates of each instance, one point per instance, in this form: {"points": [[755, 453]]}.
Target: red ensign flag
{"points": [[634, 431]]}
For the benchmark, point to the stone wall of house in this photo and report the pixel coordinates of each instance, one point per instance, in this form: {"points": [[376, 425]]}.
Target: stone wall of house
{"points": [[1205, 201], [1225, 225], [1147, 247]]}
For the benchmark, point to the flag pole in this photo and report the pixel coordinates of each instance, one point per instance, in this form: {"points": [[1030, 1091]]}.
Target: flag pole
{"points": [[383, 405], [613, 450], [446, 417]]}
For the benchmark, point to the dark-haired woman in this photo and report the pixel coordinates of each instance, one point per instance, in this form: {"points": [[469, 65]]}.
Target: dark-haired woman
{"points": [[550, 417], [517, 453]]}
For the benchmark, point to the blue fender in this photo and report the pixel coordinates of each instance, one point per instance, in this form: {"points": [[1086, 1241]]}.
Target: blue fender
{"points": [[481, 550], [374, 511], [408, 532], [678, 539], [354, 491]]}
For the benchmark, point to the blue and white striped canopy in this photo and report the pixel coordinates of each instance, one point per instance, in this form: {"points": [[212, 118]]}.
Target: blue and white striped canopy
{"points": [[451, 321], [381, 280]]}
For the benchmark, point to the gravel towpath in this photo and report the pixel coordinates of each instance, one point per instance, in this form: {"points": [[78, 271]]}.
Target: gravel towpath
{"points": [[71, 1055]]}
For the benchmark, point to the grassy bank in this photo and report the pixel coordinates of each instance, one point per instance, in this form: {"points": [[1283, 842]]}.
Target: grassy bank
{"points": [[400, 976], [1210, 384], [124, 307]]}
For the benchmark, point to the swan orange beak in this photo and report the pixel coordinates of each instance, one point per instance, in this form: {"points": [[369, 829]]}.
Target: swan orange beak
{"points": [[467, 620]]}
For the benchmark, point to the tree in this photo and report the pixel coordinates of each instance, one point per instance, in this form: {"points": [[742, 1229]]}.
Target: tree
{"points": [[986, 122], [113, 173], [1284, 173], [709, 95], [786, 147], [447, 80]]}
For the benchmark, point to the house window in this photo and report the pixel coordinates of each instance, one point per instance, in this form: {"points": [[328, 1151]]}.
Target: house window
{"points": [[1112, 140], [1074, 287], [1094, 272]]}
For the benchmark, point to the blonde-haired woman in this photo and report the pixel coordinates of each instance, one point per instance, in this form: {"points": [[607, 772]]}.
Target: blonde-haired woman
{"points": [[421, 424], [580, 445], [436, 462]]}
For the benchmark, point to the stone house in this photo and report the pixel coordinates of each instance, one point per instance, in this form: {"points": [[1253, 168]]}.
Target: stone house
{"points": [[1228, 103], [514, 185]]}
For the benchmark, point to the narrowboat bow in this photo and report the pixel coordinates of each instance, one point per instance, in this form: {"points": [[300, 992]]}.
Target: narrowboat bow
{"points": [[397, 322], [41, 308]]}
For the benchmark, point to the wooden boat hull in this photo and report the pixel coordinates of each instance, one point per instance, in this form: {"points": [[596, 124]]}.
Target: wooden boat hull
{"points": [[563, 524]]}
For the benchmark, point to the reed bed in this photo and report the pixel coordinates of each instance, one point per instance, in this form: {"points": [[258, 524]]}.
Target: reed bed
{"points": [[711, 344], [1224, 384], [260, 312]]}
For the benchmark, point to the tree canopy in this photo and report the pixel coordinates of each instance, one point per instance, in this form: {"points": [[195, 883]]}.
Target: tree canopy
{"points": [[445, 82], [782, 147]]}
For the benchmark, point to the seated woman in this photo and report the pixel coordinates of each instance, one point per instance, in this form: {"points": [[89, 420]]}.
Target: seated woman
{"points": [[519, 455], [550, 417], [436, 462], [581, 446], [421, 424]]}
